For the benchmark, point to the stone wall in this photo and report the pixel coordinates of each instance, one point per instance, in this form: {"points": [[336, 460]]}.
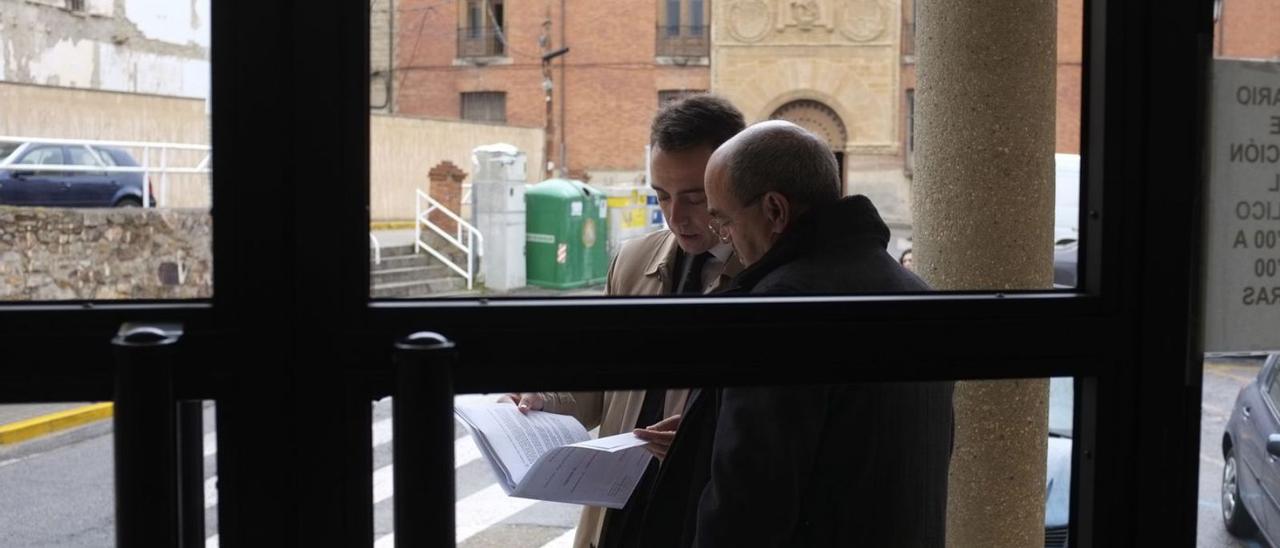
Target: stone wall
{"points": [[104, 254]]}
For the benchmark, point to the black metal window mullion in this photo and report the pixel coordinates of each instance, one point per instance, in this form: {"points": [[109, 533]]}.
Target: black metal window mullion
{"points": [[289, 322]]}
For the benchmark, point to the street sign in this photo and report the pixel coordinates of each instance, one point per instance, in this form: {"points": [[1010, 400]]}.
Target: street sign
{"points": [[1242, 246]]}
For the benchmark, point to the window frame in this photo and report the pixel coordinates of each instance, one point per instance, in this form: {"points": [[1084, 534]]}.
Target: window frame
{"points": [[273, 338], [487, 96]]}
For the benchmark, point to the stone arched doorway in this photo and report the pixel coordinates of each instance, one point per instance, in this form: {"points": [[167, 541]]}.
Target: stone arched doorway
{"points": [[820, 119]]}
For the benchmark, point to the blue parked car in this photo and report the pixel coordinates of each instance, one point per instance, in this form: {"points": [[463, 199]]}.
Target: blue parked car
{"points": [[72, 188], [1251, 458]]}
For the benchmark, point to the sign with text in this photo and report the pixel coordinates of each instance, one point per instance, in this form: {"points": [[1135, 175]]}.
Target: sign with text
{"points": [[1242, 247]]}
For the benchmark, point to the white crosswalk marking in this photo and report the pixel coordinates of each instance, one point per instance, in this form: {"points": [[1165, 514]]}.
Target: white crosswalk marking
{"points": [[382, 484], [210, 492], [464, 452], [482, 510], [381, 432]]}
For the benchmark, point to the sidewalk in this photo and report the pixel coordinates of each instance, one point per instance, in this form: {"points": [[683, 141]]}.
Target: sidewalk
{"points": [[24, 421]]}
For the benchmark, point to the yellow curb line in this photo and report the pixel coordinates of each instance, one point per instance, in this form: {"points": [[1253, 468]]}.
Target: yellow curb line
{"points": [[390, 225], [47, 424]]}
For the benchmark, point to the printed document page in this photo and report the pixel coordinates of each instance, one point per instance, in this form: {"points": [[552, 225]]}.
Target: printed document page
{"points": [[512, 441], [551, 457], [601, 472]]}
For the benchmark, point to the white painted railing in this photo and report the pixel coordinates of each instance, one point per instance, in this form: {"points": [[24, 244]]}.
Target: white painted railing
{"points": [[465, 237], [160, 151]]}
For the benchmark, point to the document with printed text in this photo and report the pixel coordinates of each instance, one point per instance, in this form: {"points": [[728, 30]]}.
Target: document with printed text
{"points": [[551, 457]]}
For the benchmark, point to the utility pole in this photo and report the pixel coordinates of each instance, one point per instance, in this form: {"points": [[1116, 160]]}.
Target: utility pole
{"points": [[544, 42], [548, 88]]}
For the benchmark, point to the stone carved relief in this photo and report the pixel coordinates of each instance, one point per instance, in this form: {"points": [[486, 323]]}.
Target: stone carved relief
{"points": [[752, 21], [863, 20], [749, 20], [805, 13]]}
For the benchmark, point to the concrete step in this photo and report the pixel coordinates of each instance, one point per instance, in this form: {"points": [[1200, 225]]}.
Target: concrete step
{"points": [[411, 274], [454, 254], [404, 261], [393, 251], [420, 288], [408, 261]]}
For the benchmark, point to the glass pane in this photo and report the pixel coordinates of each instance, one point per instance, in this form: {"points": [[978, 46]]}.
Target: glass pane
{"points": [[511, 161], [1238, 416], [57, 474], [129, 220], [546, 517], [80, 156]]}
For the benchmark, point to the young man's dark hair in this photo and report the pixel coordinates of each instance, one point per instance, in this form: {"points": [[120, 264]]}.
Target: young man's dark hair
{"points": [[697, 120]]}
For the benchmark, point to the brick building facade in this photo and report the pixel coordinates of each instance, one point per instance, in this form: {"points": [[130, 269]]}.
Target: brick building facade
{"points": [[607, 86], [482, 60]]}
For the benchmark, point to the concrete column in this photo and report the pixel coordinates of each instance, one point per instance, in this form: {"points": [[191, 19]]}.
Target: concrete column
{"points": [[982, 201]]}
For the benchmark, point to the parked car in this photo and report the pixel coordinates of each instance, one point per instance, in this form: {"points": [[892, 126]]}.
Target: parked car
{"points": [[1251, 458], [1066, 219], [71, 188], [1057, 500]]}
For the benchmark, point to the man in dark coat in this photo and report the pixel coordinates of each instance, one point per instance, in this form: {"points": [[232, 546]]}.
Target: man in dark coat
{"points": [[840, 465]]}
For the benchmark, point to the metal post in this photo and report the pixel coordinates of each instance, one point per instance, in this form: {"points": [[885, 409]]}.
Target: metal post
{"points": [[191, 473], [471, 258], [146, 176], [422, 429], [164, 177], [146, 478], [417, 222]]}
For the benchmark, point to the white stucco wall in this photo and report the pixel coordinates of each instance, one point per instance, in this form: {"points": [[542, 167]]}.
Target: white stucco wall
{"points": [[122, 69], [65, 63], [156, 47], [179, 22]]}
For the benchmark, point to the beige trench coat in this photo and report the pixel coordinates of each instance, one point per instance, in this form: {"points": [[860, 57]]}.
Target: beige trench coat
{"points": [[644, 266]]}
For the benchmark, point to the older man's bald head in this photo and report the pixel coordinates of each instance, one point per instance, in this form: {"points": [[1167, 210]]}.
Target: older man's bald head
{"points": [[782, 157]]}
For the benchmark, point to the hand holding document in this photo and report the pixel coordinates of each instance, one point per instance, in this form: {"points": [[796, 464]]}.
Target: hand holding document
{"points": [[546, 456]]}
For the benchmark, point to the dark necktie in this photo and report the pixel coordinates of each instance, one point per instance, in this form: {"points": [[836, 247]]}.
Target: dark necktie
{"points": [[692, 282], [622, 527]]}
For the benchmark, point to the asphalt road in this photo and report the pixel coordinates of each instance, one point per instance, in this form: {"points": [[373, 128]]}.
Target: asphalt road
{"points": [[57, 491]]}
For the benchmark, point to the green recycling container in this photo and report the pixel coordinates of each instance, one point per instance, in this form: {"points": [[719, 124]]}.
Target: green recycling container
{"points": [[566, 235]]}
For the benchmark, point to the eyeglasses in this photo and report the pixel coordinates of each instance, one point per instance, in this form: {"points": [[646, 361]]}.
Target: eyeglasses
{"points": [[720, 225]]}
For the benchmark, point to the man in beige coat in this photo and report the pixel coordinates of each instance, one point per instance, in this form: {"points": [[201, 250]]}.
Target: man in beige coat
{"points": [[687, 258]]}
